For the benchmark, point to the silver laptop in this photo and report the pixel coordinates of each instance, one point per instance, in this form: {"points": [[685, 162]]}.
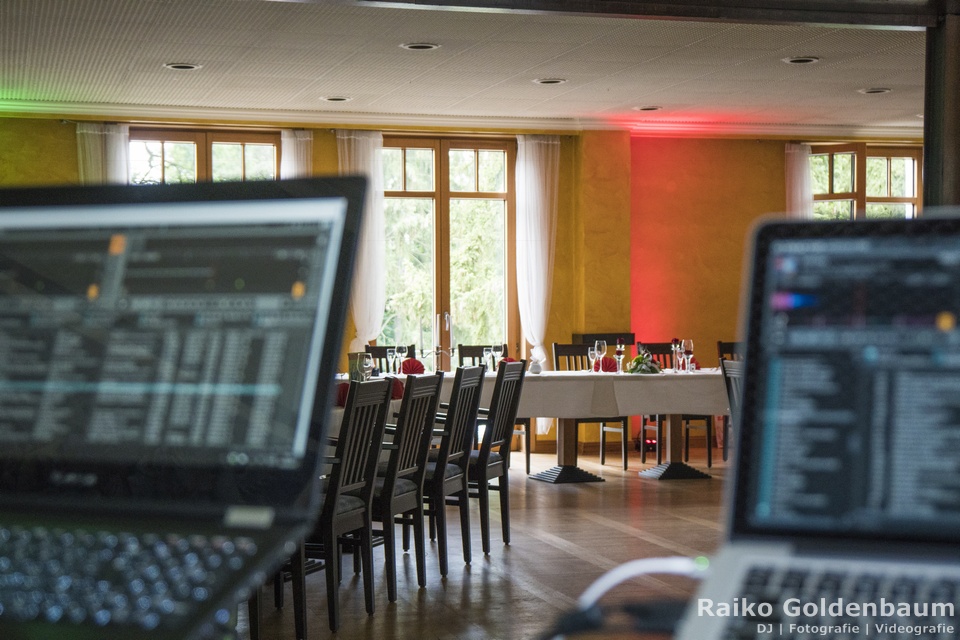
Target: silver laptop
{"points": [[166, 360], [844, 506]]}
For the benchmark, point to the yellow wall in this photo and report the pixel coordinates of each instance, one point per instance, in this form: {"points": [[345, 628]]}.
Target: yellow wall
{"points": [[650, 232], [37, 152], [694, 201]]}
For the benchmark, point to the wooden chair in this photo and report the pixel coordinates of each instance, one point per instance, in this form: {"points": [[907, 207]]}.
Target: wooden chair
{"points": [[733, 379], [629, 339], [472, 354], [728, 351], [399, 485], [348, 499], [492, 460], [447, 463], [380, 360], [573, 357], [662, 352]]}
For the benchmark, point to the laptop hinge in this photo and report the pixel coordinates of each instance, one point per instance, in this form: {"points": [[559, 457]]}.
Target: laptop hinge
{"points": [[248, 517]]}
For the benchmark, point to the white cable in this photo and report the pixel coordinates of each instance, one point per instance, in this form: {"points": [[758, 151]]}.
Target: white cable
{"points": [[677, 565]]}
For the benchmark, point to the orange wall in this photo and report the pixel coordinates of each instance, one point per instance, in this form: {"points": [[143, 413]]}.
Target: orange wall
{"points": [[694, 201]]}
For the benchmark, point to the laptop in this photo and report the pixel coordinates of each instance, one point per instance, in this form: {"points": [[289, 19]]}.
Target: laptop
{"points": [[167, 355], [844, 506]]}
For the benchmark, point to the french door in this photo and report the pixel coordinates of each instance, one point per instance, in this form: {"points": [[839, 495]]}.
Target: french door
{"points": [[450, 218]]}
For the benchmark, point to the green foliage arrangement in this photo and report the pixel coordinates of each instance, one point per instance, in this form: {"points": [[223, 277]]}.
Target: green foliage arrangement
{"points": [[643, 363]]}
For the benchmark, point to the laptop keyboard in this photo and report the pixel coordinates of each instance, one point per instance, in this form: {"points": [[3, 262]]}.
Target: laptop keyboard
{"points": [[799, 601], [104, 578]]}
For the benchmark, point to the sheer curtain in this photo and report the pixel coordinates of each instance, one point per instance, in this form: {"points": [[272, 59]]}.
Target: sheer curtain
{"points": [[296, 153], [799, 187], [361, 152], [102, 152], [538, 175]]}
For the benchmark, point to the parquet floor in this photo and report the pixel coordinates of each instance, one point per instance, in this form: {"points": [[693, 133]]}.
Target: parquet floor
{"points": [[562, 538]]}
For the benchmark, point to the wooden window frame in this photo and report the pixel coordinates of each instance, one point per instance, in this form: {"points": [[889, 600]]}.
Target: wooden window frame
{"points": [[442, 194], [204, 140]]}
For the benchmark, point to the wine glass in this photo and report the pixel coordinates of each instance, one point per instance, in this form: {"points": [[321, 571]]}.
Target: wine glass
{"points": [[366, 362], [601, 346], [487, 354], [401, 352], [687, 346], [592, 355], [392, 359], [497, 354], [618, 353]]}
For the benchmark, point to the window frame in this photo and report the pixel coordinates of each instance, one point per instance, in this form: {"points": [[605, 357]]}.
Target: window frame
{"points": [[204, 140], [862, 151], [442, 194]]}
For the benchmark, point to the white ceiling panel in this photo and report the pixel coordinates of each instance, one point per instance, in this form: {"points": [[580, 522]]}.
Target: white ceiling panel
{"points": [[279, 57]]}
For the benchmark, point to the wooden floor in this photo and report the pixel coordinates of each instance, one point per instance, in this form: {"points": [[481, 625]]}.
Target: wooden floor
{"points": [[562, 538]]}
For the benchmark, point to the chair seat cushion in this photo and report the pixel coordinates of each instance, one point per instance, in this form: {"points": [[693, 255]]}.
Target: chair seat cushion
{"points": [[450, 471], [346, 503], [495, 458]]}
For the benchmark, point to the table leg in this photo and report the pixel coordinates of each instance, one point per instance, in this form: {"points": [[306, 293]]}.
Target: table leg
{"points": [[673, 467], [566, 469]]}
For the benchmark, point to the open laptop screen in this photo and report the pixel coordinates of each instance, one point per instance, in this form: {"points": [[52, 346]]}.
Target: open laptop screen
{"points": [[188, 334], [851, 423], [180, 328]]}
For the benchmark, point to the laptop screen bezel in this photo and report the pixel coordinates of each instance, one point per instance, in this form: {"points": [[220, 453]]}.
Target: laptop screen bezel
{"points": [[740, 524], [210, 486]]}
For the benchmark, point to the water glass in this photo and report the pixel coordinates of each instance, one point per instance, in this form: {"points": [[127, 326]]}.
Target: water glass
{"points": [[592, 356], [487, 354], [392, 359]]}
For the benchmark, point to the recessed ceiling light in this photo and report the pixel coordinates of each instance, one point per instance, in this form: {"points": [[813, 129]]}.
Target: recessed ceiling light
{"points": [[801, 60], [182, 66], [550, 80], [874, 90], [336, 98], [419, 46], [647, 108]]}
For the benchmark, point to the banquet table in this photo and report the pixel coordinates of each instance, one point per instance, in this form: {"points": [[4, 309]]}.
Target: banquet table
{"points": [[568, 395]]}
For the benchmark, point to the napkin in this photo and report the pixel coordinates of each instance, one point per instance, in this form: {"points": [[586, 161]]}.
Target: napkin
{"points": [[397, 392], [606, 363], [341, 398], [411, 366], [507, 359]]}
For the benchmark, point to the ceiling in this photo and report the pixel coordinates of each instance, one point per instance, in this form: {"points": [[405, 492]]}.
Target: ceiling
{"points": [[275, 61]]}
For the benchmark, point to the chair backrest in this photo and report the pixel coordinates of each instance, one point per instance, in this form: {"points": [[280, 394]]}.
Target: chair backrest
{"points": [[359, 441], [571, 357], [472, 354], [380, 360], [661, 352], [627, 338], [733, 379], [503, 411], [461, 421], [729, 350], [414, 430]]}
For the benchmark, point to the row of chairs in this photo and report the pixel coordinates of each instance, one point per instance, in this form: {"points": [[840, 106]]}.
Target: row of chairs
{"points": [[574, 357], [431, 459], [469, 355]]}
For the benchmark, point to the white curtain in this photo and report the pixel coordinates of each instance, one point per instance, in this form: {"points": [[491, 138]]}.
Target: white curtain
{"points": [[360, 152], [296, 153], [799, 187], [102, 152], [538, 177]]}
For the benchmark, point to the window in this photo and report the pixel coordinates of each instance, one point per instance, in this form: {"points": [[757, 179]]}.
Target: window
{"points": [[449, 209], [166, 156], [857, 181]]}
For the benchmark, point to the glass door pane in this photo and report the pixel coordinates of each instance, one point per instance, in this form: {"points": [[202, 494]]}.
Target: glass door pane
{"points": [[410, 272], [477, 270]]}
